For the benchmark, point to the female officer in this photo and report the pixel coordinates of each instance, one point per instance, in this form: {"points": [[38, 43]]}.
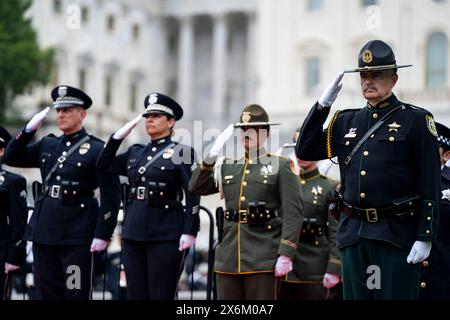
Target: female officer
{"points": [[157, 229], [263, 214]]}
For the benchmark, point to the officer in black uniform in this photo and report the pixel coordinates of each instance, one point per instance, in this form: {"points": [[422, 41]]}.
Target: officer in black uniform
{"points": [[435, 271], [157, 229], [13, 217], [67, 223], [390, 174]]}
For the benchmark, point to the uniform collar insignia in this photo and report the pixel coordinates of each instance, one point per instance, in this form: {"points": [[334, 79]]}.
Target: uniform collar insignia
{"points": [[446, 194], [351, 133], [394, 126]]}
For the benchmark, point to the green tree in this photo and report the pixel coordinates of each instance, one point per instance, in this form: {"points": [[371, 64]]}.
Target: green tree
{"points": [[23, 64]]}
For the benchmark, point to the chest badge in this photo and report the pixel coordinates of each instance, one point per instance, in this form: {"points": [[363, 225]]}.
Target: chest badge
{"points": [[316, 190], [265, 170], [168, 153], [351, 133], [394, 126], [446, 194], [84, 148]]}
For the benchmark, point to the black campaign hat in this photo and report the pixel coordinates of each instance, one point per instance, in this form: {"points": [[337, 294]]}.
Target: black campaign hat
{"points": [[254, 115], [66, 97], [443, 136], [160, 103], [5, 137], [376, 55]]}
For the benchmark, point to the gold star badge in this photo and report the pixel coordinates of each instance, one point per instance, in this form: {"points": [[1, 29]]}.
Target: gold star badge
{"points": [[394, 126]]}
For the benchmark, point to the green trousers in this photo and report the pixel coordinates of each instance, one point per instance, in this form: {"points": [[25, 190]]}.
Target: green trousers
{"points": [[260, 286], [377, 270]]}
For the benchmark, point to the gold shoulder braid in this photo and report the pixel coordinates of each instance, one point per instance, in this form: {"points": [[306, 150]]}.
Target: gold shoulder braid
{"points": [[329, 133]]}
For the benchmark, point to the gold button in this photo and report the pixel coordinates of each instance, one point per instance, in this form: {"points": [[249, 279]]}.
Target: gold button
{"points": [[423, 284], [375, 115], [430, 204], [366, 153], [372, 136], [363, 173], [362, 195], [253, 215], [316, 243], [425, 263], [242, 198], [427, 231], [269, 227], [315, 202], [347, 143], [247, 171], [303, 182], [243, 183], [391, 138], [265, 181]]}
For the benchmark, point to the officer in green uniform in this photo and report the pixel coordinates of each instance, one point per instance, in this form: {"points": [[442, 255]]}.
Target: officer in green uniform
{"points": [[317, 265], [263, 211], [390, 175]]}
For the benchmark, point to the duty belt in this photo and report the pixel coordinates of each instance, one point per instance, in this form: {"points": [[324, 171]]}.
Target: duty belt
{"points": [[373, 215], [242, 216], [57, 192]]}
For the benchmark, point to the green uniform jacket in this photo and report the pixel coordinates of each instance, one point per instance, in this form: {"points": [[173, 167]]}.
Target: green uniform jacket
{"points": [[267, 178], [315, 258]]}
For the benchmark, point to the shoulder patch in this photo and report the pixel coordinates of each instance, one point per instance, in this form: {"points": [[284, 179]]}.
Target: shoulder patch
{"points": [[431, 125]]}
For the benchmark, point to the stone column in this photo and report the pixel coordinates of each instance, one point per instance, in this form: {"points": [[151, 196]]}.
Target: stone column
{"points": [[219, 63], [185, 62]]}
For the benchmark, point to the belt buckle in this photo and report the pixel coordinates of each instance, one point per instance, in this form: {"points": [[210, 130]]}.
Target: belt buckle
{"points": [[54, 191], [141, 170], [372, 215], [61, 159], [244, 216], [140, 193]]}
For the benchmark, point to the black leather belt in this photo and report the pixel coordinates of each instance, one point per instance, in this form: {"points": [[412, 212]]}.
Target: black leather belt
{"points": [[373, 215], [242, 216], [57, 192]]}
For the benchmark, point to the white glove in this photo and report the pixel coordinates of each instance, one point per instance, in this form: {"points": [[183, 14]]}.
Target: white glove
{"points": [[98, 245], [330, 280], [10, 267], [37, 120], [218, 144], [283, 266], [186, 241], [419, 252], [126, 129], [331, 91]]}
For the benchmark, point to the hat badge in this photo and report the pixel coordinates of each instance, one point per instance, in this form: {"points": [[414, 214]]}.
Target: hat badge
{"points": [[62, 91], [367, 56], [153, 98], [246, 116]]}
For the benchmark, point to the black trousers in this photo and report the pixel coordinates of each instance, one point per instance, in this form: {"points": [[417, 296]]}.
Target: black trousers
{"points": [[62, 272], [309, 291], [152, 269]]}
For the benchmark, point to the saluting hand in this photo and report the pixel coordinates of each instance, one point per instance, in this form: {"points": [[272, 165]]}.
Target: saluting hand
{"points": [[37, 120], [331, 91], [219, 144], [126, 129]]}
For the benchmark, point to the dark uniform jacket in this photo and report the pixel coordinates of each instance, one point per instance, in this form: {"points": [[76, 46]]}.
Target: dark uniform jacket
{"points": [[67, 213], [159, 214], [13, 218], [397, 163], [436, 269], [317, 253], [254, 249]]}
